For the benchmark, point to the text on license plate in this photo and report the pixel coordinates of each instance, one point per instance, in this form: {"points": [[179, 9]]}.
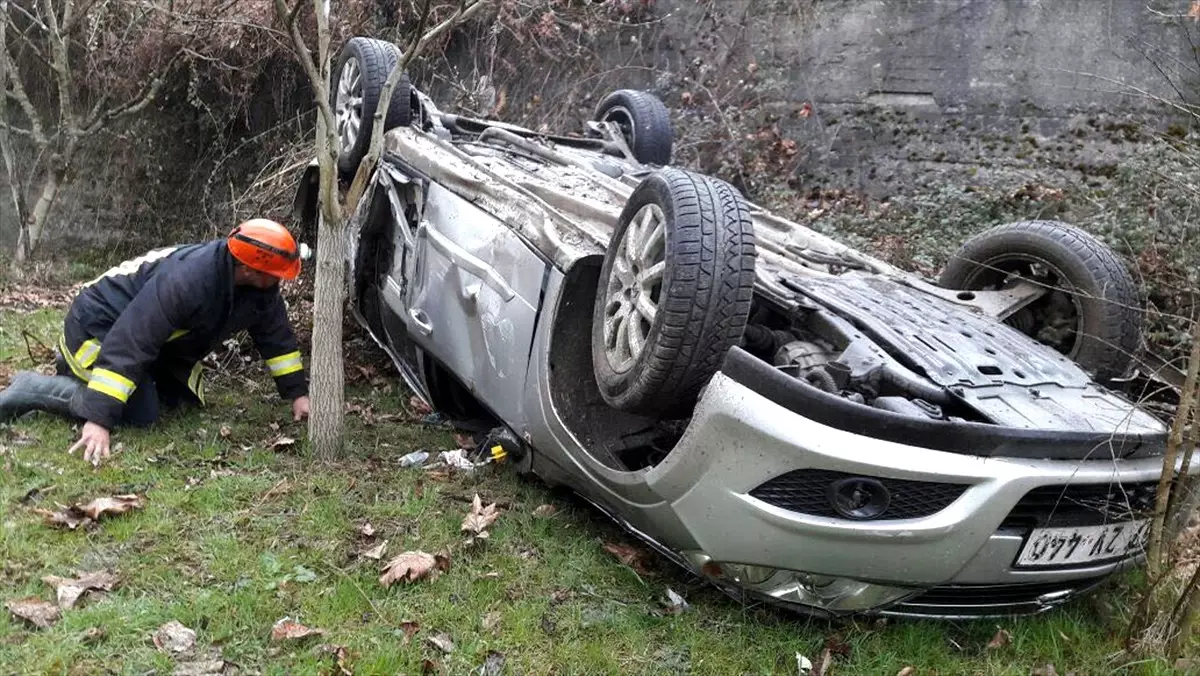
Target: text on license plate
{"points": [[1083, 544]]}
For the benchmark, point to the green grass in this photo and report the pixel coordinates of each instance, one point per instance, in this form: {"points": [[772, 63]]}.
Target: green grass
{"points": [[235, 536]]}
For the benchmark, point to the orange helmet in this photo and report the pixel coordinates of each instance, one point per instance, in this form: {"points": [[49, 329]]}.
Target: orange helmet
{"points": [[266, 246]]}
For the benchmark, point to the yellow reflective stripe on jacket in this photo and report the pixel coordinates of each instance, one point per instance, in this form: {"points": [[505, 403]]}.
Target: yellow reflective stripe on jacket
{"points": [[87, 353], [196, 381], [81, 359], [111, 383], [177, 333], [285, 364]]}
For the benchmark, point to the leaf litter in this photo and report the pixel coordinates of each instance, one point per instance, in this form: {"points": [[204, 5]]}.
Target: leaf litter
{"points": [[287, 629], [173, 637], [69, 591], [35, 611], [478, 519], [412, 566], [630, 556], [442, 642], [78, 515]]}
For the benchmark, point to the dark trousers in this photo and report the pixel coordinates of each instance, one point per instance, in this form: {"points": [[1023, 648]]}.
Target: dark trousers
{"points": [[155, 392]]}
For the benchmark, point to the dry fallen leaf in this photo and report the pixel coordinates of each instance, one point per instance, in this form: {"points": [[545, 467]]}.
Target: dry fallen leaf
{"points": [[1047, 670], [429, 666], [200, 668], [1001, 639], [173, 637], [81, 515], [341, 658], [493, 664], [69, 591], [225, 431], [419, 407], [288, 630], [283, 442], [67, 517], [491, 620], [906, 671], [376, 552], [115, 505], [545, 510], [826, 661], [561, 595], [630, 556], [367, 530], [442, 642], [37, 612], [837, 645], [409, 627], [413, 566]]}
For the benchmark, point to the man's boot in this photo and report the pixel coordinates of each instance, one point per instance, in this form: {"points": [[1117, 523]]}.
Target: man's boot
{"points": [[31, 391]]}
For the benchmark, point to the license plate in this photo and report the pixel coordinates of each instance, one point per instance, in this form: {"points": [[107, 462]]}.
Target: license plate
{"points": [[1084, 544]]}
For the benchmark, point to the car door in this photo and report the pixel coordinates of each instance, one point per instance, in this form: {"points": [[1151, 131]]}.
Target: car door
{"points": [[472, 298]]}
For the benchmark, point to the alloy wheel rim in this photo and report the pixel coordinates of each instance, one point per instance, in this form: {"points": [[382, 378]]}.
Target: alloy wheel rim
{"points": [[349, 104], [635, 288]]}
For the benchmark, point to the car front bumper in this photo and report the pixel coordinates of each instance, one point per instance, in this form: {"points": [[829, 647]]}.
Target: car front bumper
{"points": [[957, 561]]}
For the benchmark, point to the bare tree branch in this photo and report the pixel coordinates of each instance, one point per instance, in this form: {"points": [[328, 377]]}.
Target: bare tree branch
{"points": [[134, 105], [61, 64], [305, 58], [295, 14], [1154, 557], [4, 113], [70, 20], [18, 92], [32, 18], [466, 10]]}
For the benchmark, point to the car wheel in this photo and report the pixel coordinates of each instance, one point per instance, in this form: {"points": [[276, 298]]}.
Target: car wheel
{"points": [[1092, 313], [645, 123], [362, 70], [674, 292]]}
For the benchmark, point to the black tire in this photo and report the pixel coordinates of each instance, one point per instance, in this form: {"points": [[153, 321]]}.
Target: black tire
{"points": [[703, 298], [1104, 331], [375, 59], [645, 122]]}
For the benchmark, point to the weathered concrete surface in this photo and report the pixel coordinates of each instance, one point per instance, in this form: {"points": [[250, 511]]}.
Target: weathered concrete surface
{"points": [[906, 91]]}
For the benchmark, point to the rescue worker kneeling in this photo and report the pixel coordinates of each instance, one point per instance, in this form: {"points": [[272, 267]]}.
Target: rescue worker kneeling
{"points": [[134, 338]]}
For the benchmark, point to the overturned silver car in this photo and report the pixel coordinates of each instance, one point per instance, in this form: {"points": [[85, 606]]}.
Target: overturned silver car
{"points": [[787, 417]]}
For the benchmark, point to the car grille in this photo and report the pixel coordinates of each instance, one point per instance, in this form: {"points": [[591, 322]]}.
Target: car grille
{"points": [[993, 600], [803, 491], [1082, 505]]}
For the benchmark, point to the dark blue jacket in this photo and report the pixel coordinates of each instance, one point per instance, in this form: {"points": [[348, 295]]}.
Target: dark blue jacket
{"points": [[162, 313]]}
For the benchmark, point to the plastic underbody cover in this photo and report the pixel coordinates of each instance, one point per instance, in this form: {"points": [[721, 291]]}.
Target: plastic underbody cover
{"points": [[1007, 376]]}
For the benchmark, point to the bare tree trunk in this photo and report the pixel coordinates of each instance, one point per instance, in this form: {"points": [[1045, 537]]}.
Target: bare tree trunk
{"points": [[325, 421], [41, 210], [1154, 555], [6, 149]]}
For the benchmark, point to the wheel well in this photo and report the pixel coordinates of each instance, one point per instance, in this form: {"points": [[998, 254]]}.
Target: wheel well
{"points": [[622, 441]]}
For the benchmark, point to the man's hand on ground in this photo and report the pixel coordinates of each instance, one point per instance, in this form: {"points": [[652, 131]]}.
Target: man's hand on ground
{"points": [[94, 440], [300, 408]]}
